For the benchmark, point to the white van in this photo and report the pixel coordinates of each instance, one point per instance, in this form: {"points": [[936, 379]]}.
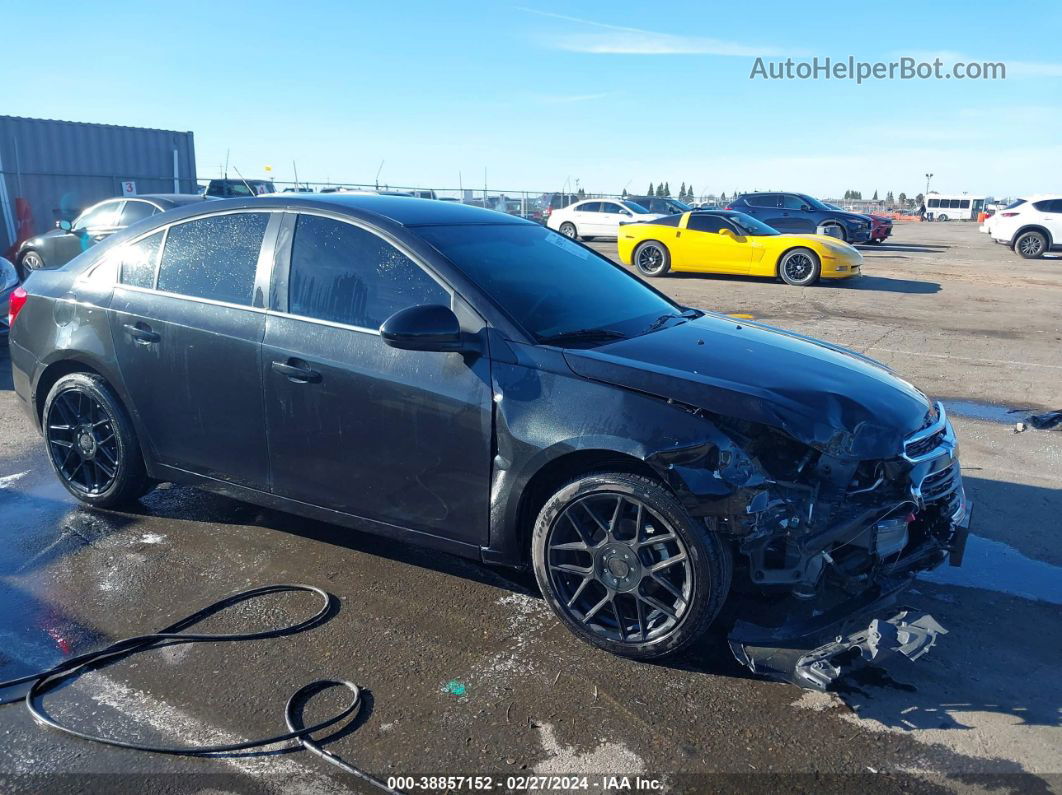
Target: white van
{"points": [[955, 207]]}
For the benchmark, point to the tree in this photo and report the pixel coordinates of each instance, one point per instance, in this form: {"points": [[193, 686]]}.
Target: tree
{"points": [[722, 197], [624, 193], [919, 200], [667, 189], [581, 194], [875, 195], [847, 195], [903, 199], [650, 192]]}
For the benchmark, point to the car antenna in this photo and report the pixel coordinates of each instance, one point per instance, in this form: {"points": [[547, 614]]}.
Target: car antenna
{"points": [[378, 174], [245, 182], [225, 175], [296, 170]]}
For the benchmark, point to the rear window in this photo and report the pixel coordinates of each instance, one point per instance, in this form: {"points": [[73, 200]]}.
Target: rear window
{"points": [[214, 258]]}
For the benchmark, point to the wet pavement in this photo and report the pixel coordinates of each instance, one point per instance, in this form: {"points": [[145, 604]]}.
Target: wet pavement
{"points": [[466, 671]]}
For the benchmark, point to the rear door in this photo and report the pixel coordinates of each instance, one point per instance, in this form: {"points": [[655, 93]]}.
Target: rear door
{"points": [[400, 437], [765, 206], [187, 323], [587, 218]]}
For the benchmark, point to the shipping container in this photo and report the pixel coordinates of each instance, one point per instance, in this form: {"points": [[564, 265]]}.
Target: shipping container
{"points": [[51, 170]]}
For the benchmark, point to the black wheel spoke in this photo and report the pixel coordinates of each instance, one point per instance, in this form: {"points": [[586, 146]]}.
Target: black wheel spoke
{"points": [[627, 577], [82, 441]]}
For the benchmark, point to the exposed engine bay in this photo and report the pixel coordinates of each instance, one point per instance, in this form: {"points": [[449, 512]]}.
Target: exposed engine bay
{"points": [[835, 540]]}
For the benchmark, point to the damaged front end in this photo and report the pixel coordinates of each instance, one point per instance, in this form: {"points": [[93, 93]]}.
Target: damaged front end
{"points": [[832, 541]]}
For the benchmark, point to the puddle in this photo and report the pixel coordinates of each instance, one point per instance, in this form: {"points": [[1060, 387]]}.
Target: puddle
{"points": [[986, 411], [994, 566]]}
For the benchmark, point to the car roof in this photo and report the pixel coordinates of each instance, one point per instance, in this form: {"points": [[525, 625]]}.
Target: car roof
{"points": [[403, 210], [168, 198]]}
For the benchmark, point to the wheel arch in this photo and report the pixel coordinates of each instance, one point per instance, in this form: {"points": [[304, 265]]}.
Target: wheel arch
{"points": [[554, 473], [1043, 230]]}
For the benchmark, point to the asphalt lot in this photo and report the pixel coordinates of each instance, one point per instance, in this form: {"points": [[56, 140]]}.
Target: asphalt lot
{"points": [[467, 672]]}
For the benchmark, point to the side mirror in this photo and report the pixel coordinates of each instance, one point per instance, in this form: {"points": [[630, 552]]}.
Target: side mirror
{"points": [[66, 226], [727, 232], [806, 208], [429, 327]]}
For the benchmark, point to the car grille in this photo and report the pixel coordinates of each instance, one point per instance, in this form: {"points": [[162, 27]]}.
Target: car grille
{"points": [[920, 447], [940, 484]]}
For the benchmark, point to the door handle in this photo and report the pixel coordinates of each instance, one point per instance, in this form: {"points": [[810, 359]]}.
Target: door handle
{"points": [[297, 373], [141, 333]]}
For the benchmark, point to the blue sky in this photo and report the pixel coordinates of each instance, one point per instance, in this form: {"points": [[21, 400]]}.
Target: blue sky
{"points": [[612, 94]]}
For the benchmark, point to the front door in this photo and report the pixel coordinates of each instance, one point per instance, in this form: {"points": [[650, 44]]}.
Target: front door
{"points": [[705, 248], [188, 344], [400, 437]]}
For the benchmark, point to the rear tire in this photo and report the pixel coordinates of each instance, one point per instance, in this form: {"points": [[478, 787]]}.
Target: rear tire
{"points": [[568, 230], [835, 230], [30, 261], [91, 442], [1031, 244], [597, 550], [652, 258], [799, 267]]}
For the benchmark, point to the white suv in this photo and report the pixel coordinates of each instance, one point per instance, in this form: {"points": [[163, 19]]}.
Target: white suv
{"points": [[1030, 226]]}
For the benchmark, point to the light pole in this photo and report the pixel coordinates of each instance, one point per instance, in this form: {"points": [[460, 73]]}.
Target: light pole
{"points": [[928, 177]]}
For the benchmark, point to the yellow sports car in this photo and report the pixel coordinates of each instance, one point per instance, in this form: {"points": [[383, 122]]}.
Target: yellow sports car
{"points": [[723, 241]]}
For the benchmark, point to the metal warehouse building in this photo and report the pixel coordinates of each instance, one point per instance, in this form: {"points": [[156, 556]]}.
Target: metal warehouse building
{"points": [[51, 170]]}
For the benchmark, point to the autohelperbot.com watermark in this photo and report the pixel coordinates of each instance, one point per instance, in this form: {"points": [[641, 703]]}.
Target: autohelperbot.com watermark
{"points": [[905, 68]]}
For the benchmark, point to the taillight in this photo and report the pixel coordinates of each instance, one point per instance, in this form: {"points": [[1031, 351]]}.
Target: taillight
{"points": [[15, 304], [1008, 215], [729, 207]]}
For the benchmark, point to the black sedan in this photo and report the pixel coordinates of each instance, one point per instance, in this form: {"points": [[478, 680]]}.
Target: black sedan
{"points": [[98, 222], [462, 379]]}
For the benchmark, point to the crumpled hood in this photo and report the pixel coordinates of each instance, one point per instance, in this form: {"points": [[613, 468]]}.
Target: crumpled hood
{"points": [[830, 398]]}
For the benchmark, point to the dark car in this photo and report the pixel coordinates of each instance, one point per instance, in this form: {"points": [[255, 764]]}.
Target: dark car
{"points": [[798, 213], [453, 377], [664, 205], [880, 225], [237, 188], [60, 245]]}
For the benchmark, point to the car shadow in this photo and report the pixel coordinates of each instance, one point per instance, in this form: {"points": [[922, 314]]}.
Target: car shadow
{"points": [[6, 384], [885, 284], [921, 248]]}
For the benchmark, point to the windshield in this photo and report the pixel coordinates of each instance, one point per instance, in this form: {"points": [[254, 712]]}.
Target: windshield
{"points": [[750, 225], [634, 207], [546, 283]]}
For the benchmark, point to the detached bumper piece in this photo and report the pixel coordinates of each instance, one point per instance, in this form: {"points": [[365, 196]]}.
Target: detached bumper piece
{"points": [[812, 657]]}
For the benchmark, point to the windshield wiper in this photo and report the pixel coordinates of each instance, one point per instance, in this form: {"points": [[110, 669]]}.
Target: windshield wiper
{"points": [[583, 335], [660, 322]]}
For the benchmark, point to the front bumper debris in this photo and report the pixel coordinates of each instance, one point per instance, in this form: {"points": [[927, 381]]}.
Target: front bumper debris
{"points": [[808, 654]]}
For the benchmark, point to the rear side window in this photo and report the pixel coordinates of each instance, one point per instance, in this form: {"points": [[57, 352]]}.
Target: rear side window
{"points": [[588, 207], [345, 274], [763, 200], [137, 261], [214, 257]]}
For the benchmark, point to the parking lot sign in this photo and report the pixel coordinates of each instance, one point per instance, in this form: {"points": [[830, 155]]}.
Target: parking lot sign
{"points": [[129, 188]]}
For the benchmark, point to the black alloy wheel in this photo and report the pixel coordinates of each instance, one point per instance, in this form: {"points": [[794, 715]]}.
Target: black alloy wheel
{"points": [[91, 442], [652, 259], [799, 267], [626, 569]]}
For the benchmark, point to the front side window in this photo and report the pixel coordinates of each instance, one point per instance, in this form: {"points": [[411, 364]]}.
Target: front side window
{"points": [[137, 261], [705, 222], [791, 202], [933, 203], [635, 207], [748, 225], [345, 274], [546, 283], [609, 207], [136, 211], [214, 257], [102, 216]]}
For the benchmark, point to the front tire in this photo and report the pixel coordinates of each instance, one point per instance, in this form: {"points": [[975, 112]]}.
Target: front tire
{"points": [[1030, 245], [652, 258], [91, 442], [799, 267], [568, 230], [623, 565]]}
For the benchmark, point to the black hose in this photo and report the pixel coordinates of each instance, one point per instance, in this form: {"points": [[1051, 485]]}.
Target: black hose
{"points": [[43, 681]]}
